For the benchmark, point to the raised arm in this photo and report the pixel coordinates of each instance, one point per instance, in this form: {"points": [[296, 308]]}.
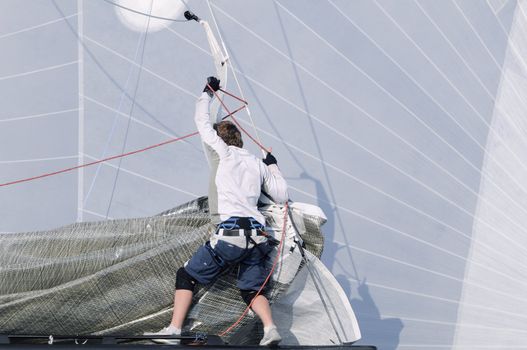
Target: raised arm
{"points": [[204, 125], [274, 183]]}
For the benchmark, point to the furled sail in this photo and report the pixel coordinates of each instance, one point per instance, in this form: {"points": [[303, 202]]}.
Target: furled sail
{"points": [[117, 277]]}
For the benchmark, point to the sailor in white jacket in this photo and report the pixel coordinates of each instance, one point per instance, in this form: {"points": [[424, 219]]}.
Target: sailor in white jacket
{"points": [[239, 237]]}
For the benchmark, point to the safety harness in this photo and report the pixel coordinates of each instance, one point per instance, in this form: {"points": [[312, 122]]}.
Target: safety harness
{"points": [[246, 227]]}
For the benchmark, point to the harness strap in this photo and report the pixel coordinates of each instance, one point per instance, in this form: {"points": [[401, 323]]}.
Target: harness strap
{"points": [[215, 257], [240, 232]]}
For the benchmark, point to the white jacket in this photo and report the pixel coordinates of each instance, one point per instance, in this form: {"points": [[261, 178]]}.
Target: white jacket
{"points": [[241, 176]]}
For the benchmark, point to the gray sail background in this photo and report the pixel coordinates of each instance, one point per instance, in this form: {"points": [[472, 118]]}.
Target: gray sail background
{"points": [[336, 94]]}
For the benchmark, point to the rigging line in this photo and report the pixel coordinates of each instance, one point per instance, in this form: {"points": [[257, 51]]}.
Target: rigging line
{"points": [[451, 117], [229, 62], [452, 46], [204, 51], [412, 113], [135, 120], [440, 322], [146, 14], [395, 199], [409, 236], [513, 46], [239, 71], [170, 133], [114, 125], [57, 66], [139, 73], [441, 299], [186, 5], [516, 127], [349, 101], [520, 99], [491, 55], [39, 115], [105, 159], [154, 74], [444, 275], [105, 71], [315, 137], [37, 159], [389, 130], [509, 118], [384, 193], [236, 121], [379, 157], [226, 92], [98, 161], [405, 108], [193, 195], [319, 287], [2, 36], [94, 213], [299, 242], [457, 90]]}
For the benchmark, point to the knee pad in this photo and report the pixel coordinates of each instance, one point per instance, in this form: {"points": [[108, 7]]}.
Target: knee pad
{"points": [[248, 295], [184, 280]]}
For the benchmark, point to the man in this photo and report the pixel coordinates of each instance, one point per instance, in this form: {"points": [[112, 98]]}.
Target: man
{"points": [[239, 237]]}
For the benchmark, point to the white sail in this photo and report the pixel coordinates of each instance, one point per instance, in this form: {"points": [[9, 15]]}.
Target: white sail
{"points": [[385, 114], [493, 306]]}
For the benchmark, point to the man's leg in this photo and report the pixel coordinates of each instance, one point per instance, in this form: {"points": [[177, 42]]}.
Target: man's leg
{"points": [[252, 275], [205, 269], [185, 284], [260, 306], [182, 302]]}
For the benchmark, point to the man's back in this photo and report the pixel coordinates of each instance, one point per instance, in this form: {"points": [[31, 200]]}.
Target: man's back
{"points": [[241, 175], [239, 182]]}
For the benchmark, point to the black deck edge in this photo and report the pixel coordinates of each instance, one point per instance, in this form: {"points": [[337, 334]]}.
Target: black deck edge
{"points": [[88, 346], [89, 342]]}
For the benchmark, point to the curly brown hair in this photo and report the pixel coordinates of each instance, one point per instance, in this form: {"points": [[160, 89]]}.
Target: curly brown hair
{"points": [[229, 133]]}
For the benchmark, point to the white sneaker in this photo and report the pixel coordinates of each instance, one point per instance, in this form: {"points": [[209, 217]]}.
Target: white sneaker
{"points": [[170, 330], [271, 337]]}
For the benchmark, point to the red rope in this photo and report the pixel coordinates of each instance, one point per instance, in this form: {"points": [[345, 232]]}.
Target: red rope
{"points": [[98, 161], [236, 121], [230, 114], [234, 112], [275, 262], [231, 95]]}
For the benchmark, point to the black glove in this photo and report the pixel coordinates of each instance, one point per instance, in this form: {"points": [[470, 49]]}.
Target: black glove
{"points": [[269, 159], [214, 83]]}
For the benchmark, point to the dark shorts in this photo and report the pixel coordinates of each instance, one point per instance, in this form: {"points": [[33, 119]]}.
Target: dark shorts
{"points": [[204, 267]]}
